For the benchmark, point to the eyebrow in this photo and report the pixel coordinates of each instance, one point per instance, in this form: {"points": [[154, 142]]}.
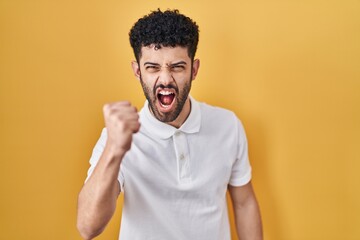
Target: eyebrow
{"points": [[178, 63], [151, 63], [172, 64]]}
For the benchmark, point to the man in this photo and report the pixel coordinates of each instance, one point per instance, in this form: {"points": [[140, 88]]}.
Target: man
{"points": [[175, 167]]}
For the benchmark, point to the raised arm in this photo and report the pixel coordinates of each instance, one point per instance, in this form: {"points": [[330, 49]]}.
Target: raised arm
{"points": [[97, 198], [247, 213]]}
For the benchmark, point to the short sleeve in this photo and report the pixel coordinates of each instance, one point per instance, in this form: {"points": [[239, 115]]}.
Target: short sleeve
{"points": [[241, 169], [96, 154]]}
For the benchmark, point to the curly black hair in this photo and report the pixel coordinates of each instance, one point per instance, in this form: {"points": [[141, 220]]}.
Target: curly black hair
{"points": [[167, 29]]}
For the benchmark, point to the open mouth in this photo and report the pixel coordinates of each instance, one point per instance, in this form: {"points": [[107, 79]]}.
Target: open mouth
{"points": [[166, 98]]}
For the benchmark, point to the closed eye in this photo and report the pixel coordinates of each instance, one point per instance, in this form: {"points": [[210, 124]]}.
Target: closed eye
{"points": [[177, 68], [152, 68]]}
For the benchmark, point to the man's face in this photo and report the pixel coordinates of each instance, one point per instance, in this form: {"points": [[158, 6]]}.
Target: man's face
{"points": [[166, 75]]}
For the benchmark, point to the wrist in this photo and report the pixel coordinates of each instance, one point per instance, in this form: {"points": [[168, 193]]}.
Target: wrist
{"points": [[114, 151]]}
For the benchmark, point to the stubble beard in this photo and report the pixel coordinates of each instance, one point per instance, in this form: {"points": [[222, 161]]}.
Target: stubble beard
{"points": [[180, 99]]}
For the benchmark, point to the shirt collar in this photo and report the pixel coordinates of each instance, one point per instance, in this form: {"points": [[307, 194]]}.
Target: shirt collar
{"points": [[164, 130]]}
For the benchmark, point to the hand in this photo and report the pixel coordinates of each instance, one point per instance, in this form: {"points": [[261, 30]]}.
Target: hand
{"points": [[121, 121]]}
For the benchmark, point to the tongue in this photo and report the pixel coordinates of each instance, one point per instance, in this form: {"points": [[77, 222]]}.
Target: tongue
{"points": [[166, 99]]}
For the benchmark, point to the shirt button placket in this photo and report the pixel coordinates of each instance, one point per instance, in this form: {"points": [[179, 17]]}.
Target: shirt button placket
{"points": [[182, 156]]}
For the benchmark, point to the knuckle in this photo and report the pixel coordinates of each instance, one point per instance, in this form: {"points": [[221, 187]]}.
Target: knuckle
{"points": [[126, 103]]}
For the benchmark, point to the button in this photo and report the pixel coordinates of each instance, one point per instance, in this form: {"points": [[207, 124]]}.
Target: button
{"points": [[182, 157], [177, 133]]}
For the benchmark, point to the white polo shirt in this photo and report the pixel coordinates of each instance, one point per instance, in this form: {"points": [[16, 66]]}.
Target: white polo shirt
{"points": [[175, 180]]}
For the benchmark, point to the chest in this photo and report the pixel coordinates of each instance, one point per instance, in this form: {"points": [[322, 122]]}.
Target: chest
{"points": [[185, 164]]}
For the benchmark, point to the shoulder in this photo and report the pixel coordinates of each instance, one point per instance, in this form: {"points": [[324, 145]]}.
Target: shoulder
{"points": [[218, 119], [217, 113]]}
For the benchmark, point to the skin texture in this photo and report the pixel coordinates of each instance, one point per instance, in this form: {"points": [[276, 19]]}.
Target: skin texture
{"points": [[97, 198], [173, 69], [170, 69], [247, 213]]}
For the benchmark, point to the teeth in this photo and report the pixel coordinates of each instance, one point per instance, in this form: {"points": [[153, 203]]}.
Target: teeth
{"points": [[163, 92]]}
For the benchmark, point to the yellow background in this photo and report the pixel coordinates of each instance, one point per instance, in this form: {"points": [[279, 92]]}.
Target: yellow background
{"points": [[289, 69]]}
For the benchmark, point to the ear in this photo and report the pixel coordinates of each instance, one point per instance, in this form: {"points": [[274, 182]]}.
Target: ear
{"points": [[136, 69], [195, 68]]}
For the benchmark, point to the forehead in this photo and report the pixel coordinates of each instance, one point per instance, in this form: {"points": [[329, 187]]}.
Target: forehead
{"points": [[164, 54]]}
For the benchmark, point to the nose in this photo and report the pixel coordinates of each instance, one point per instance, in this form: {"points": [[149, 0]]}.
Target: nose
{"points": [[165, 76]]}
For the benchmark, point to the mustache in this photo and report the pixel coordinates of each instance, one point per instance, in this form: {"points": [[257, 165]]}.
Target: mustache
{"points": [[168, 86]]}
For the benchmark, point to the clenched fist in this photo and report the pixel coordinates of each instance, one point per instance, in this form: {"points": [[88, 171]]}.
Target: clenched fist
{"points": [[121, 121]]}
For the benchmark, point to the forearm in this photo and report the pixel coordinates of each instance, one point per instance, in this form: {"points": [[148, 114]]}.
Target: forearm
{"points": [[248, 221], [97, 199]]}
